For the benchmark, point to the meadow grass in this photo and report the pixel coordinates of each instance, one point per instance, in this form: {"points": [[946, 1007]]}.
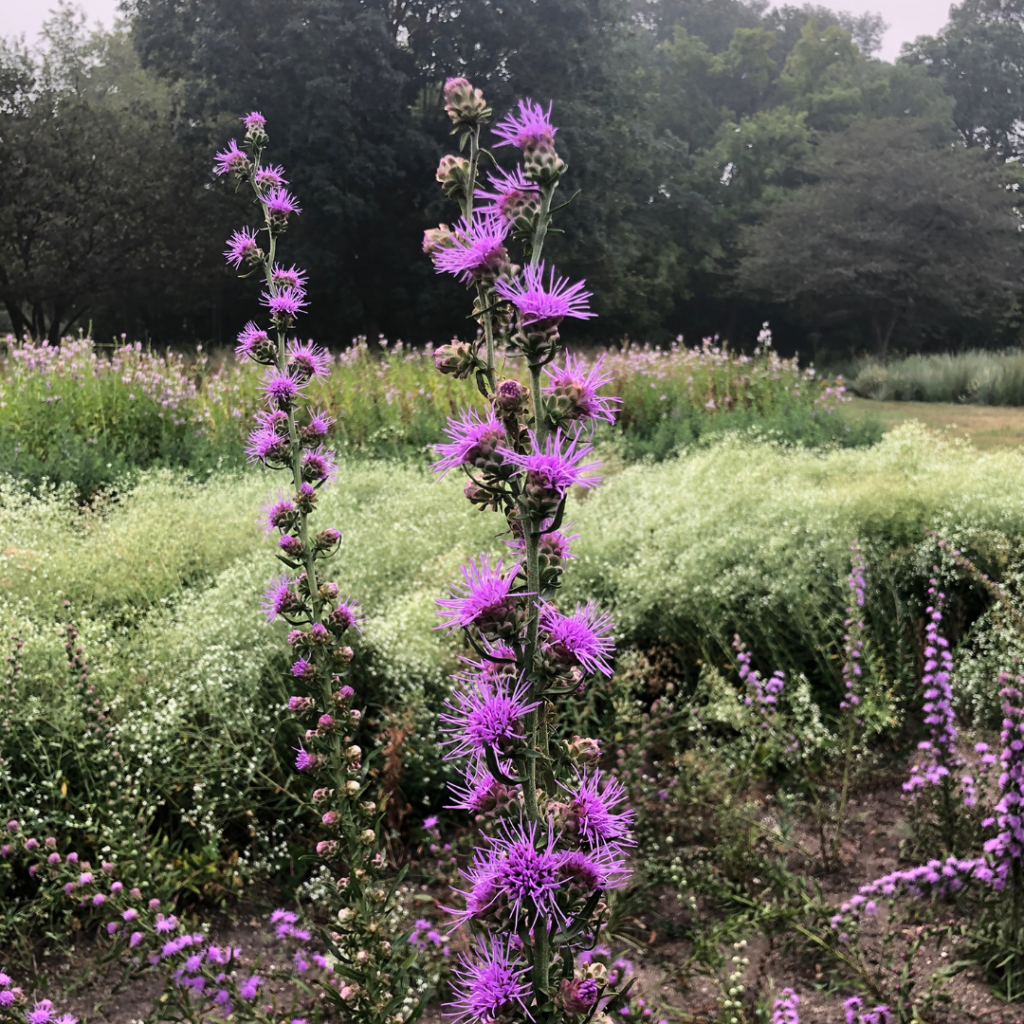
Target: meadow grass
{"points": [[976, 378], [164, 582]]}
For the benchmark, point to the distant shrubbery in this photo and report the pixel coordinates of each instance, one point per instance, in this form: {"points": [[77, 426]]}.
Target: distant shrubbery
{"points": [[979, 378], [72, 414]]}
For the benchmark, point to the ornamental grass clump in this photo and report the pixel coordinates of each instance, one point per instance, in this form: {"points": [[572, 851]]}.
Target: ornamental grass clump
{"points": [[557, 833]]}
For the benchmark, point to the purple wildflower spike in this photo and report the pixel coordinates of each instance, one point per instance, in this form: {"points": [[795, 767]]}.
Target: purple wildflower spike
{"points": [[291, 278], [318, 465], [551, 472], [592, 803], [308, 360], [578, 640], [485, 600], [251, 340], [287, 303], [230, 160], [280, 599], [270, 177], [473, 442], [242, 247], [281, 389], [476, 249], [530, 129], [571, 392], [513, 195], [511, 868], [541, 305], [485, 717], [277, 514], [489, 985], [281, 204], [785, 1009]]}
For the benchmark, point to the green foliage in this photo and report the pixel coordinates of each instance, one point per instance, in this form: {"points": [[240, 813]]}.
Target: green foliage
{"points": [[981, 378], [890, 225]]}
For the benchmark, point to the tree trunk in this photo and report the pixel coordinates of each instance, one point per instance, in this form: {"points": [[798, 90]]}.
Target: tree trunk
{"points": [[883, 332]]}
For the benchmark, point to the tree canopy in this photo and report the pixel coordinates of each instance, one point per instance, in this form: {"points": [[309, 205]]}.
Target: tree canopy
{"points": [[686, 123]]}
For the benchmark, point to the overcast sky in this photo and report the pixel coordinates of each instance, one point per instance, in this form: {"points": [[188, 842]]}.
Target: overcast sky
{"points": [[906, 18]]}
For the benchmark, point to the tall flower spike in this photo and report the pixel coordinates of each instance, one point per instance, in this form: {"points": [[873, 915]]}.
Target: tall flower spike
{"points": [[541, 305], [476, 249], [485, 600], [485, 716], [579, 640], [489, 985]]}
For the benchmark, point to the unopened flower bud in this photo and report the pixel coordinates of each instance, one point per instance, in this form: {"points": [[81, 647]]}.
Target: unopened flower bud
{"points": [[362, 956], [325, 724], [352, 787], [345, 915], [458, 358], [464, 104], [385, 948], [343, 655], [510, 396], [328, 591], [453, 174], [437, 238], [481, 496], [577, 996], [367, 837], [292, 546], [299, 705], [344, 695], [331, 818], [256, 129], [353, 753], [368, 807], [326, 848], [320, 795], [328, 539], [584, 750]]}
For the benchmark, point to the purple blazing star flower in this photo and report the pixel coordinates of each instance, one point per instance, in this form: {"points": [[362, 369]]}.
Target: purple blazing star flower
{"points": [[250, 987], [41, 1013], [266, 445], [280, 599], [319, 425], [785, 1009], [479, 791], [281, 204], [281, 389], [250, 339], [484, 600], [346, 616], [288, 302], [551, 472], [545, 306], [512, 869], [254, 119], [486, 716], [241, 246], [309, 360], [600, 868], [270, 177], [318, 465], [592, 810], [291, 278], [473, 442], [580, 639], [578, 995], [530, 129], [230, 160], [489, 984], [512, 196], [477, 248], [277, 514], [572, 392]]}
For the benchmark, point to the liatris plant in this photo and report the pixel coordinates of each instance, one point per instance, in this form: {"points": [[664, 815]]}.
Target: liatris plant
{"points": [[936, 779], [290, 437], [784, 1010], [536, 886]]}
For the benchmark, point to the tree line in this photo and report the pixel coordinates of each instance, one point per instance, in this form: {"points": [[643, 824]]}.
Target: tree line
{"points": [[735, 163]]}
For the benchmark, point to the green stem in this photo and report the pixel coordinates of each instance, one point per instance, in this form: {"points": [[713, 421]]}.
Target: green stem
{"points": [[540, 415], [474, 162], [543, 221], [486, 300]]}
